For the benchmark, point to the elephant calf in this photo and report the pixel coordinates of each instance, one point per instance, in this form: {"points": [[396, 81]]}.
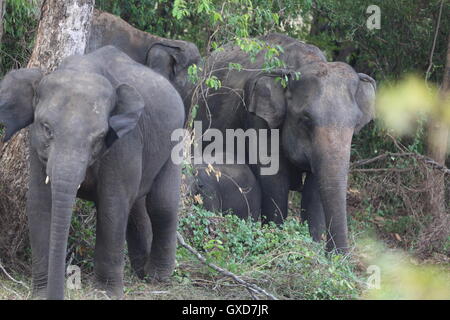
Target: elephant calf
{"points": [[100, 128], [227, 188]]}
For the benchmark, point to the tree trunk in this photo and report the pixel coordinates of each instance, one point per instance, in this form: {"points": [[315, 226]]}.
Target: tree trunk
{"points": [[63, 31], [438, 231]]}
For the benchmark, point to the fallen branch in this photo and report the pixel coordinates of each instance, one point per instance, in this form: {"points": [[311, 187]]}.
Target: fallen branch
{"points": [[249, 286]]}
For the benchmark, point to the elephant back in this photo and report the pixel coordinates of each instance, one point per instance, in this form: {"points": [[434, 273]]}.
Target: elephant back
{"points": [[108, 29]]}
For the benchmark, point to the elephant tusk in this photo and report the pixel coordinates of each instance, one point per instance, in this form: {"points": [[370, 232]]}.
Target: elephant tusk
{"points": [[79, 187], [47, 180]]}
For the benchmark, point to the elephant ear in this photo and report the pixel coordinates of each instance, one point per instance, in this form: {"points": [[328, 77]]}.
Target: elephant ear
{"points": [[126, 114], [265, 97], [169, 60], [365, 98], [17, 96]]}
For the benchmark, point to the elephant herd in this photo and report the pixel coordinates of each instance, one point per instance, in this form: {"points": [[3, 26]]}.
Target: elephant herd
{"points": [[101, 125]]}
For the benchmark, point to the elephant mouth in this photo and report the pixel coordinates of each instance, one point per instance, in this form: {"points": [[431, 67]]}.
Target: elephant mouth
{"points": [[301, 160], [305, 166], [43, 159]]}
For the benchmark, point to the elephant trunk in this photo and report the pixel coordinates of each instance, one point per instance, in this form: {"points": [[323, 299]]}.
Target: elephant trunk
{"points": [[330, 164], [66, 176]]}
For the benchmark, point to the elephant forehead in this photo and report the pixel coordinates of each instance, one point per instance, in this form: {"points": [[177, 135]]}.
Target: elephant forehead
{"points": [[74, 113], [327, 70], [60, 92], [74, 100], [72, 83], [77, 118]]}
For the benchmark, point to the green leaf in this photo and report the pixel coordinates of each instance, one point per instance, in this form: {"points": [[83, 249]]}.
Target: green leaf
{"points": [[180, 9]]}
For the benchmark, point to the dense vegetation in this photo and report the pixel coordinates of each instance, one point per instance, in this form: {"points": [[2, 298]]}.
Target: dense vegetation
{"points": [[385, 205]]}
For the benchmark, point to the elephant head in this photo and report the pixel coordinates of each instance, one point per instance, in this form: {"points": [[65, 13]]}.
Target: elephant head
{"points": [[317, 115], [74, 118], [201, 184], [173, 61]]}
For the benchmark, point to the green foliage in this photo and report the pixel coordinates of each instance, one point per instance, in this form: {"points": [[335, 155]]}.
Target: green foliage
{"points": [[81, 241], [148, 15], [207, 23], [19, 23], [383, 53], [297, 267], [213, 82]]}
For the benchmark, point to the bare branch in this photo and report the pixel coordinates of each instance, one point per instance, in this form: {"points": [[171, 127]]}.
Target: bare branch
{"points": [[427, 74], [426, 160]]}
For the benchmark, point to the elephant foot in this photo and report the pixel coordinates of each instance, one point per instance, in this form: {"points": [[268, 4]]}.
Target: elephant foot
{"points": [[39, 293], [113, 292], [112, 286], [138, 266], [160, 274]]}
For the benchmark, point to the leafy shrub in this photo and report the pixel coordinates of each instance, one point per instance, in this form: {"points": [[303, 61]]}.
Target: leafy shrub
{"points": [[81, 242], [284, 258]]}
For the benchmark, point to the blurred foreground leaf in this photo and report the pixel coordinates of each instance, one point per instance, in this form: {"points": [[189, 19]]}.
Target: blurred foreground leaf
{"points": [[401, 105]]}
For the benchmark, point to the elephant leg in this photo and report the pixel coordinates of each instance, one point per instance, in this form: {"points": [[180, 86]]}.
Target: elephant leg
{"points": [[39, 206], [162, 206], [312, 209], [275, 192], [139, 237], [112, 217]]}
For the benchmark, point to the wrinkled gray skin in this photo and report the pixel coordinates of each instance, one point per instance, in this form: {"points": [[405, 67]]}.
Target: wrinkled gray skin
{"points": [[316, 115], [228, 189], [104, 122], [170, 58]]}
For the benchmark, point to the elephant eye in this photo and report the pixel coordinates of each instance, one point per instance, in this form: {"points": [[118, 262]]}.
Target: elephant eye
{"points": [[306, 118], [47, 130], [98, 143]]}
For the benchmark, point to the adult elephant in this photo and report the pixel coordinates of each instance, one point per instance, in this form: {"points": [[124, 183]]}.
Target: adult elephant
{"points": [[100, 129], [316, 115], [170, 58]]}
